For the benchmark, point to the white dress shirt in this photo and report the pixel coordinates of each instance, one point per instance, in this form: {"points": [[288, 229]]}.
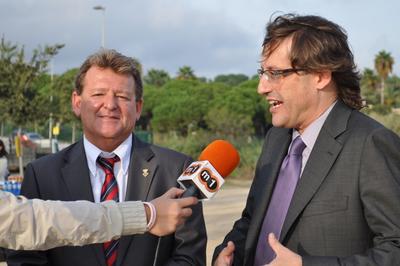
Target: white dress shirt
{"points": [[97, 174], [310, 135]]}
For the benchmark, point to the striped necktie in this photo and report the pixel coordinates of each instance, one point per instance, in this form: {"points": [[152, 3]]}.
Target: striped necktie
{"points": [[109, 191]]}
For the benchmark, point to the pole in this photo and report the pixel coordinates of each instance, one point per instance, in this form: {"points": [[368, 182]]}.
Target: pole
{"points": [[51, 103], [103, 28], [19, 151], [103, 39]]}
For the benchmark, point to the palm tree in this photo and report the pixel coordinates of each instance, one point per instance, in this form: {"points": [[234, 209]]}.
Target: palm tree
{"points": [[185, 73], [156, 77], [384, 66], [394, 96], [369, 85]]}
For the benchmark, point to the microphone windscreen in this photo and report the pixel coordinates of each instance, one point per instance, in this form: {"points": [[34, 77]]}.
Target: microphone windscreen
{"points": [[222, 155]]}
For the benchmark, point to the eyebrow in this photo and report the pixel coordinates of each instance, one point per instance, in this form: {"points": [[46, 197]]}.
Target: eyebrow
{"points": [[274, 68]]}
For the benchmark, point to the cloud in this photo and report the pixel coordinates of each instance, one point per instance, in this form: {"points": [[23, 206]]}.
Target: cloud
{"points": [[213, 37]]}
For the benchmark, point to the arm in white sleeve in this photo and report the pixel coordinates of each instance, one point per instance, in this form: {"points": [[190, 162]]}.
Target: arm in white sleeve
{"points": [[37, 224]]}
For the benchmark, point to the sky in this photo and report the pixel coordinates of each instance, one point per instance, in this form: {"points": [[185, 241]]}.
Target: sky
{"points": [[211, 36]]}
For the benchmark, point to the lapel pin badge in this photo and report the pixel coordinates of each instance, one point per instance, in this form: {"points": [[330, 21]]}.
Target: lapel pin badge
{"points": [[145, 172]]}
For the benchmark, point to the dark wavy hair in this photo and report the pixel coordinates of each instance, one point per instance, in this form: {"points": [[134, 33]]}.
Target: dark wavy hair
{"points": [[119, 63], [3, 151], [317, 45]]}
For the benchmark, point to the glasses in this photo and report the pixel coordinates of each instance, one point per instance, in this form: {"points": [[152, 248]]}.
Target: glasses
{"points": [[277, 74]]}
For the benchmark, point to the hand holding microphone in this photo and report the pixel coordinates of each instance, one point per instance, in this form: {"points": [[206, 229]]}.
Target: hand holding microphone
{"points": [[203, 178], [170, 211]]}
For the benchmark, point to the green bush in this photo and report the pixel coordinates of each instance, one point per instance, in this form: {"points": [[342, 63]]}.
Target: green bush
{"points": [[391, 121], [249, 148], [379, 109]]}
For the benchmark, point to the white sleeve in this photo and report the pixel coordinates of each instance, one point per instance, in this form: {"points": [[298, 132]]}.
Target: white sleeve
{"points": [[37, 224]]}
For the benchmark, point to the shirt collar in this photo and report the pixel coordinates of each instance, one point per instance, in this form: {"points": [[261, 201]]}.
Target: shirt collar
{"points": [[123, 151], [311, 133]]}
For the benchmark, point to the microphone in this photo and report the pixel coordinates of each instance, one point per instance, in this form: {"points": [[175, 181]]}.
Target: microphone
{"points": [[203, 178]]}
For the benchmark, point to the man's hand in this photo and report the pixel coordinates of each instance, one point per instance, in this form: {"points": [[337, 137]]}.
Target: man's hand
{"points": [[171, 211], [225, 258], [284, 256]]}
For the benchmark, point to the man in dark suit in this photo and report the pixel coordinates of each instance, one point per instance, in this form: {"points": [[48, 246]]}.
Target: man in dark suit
{"points": [[110, 163], [327, 184]]}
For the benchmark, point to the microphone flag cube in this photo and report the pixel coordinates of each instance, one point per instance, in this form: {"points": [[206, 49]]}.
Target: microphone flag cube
{"points": [[204, 176]]}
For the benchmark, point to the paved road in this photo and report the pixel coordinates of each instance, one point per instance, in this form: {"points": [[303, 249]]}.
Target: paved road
{"points": [[222, 211]]}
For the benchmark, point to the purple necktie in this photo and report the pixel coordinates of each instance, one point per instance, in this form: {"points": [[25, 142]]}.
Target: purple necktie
{"points": [[280, 201]]}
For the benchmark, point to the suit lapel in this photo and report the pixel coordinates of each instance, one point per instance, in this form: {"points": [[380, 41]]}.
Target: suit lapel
{"points": [[76, 176], [270, 163], [321, 160], [141, 173]]}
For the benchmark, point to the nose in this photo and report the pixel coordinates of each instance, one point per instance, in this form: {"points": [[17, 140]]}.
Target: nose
{"points": [[110, 101], [264, 86]]}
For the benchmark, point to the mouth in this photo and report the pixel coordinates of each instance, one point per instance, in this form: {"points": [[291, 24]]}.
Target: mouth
{"points": [[275, 103], [109, 117]]}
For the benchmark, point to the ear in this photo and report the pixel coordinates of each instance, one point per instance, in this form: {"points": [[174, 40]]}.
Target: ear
{"points": [[139, 108], [323, 79], [76, 103]]}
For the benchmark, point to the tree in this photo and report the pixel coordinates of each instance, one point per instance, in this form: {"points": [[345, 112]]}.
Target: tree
{"points": [[156, 77], [384, 66], [231, 79], [62, 88], [369, 85], [17, 75], [238, 111], [41, 85], [151, 97], [182, 107], [185, 73], [7, 54], [393, 92], [18, 94]]}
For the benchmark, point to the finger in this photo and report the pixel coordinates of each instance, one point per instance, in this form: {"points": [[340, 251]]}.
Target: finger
{"points": [[273, 242], [231, 246], [174, 193], [189, 201], [179, 192], [229, 249], [183, 217], [186, 212]]}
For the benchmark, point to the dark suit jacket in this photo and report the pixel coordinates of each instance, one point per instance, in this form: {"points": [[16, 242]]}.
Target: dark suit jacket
{"points": [[65, 176], [346, 207]]}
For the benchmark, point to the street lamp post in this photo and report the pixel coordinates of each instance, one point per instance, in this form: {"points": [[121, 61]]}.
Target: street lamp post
{"points": [[103, 30], [51, 106], [53, 51]]}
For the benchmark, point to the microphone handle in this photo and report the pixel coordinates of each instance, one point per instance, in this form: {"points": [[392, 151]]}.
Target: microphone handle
{"points": [[191, 191]]}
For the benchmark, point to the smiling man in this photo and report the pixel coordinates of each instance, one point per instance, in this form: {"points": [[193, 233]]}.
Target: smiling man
{"points": [[110, 163], [327, 184]]}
